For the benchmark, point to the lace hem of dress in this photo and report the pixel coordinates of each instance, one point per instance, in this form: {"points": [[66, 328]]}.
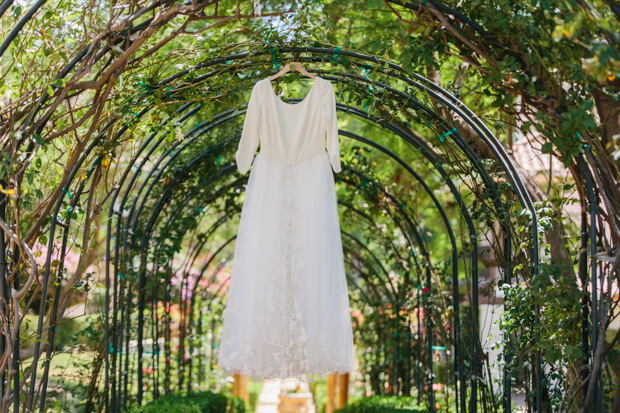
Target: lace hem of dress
{"points": [[291, 356]]}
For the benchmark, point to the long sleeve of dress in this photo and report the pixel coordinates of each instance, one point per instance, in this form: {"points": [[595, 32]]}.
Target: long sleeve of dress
{"points": [[249, 135], [331, 123]]}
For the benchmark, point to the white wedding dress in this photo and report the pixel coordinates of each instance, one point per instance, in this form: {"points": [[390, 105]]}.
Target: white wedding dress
{"points": [[287, 312]]}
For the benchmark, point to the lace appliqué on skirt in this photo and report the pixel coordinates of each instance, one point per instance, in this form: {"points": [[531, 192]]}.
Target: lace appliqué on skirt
{"points": [[282, 348]]}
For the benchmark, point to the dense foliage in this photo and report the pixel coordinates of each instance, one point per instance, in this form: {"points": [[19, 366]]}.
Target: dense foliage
{"points": [[382, 404], [118, 126], [204, 402]]}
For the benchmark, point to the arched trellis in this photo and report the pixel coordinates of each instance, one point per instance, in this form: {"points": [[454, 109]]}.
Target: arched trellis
{"points": [[437, 203], [395, 73], [474, 346]]}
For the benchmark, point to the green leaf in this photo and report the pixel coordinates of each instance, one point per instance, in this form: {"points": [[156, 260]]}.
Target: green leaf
{"points": [[38, 139], [575, 352]]}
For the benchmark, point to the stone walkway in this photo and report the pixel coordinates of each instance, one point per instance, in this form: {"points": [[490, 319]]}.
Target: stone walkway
{"points": [[268, 399]]}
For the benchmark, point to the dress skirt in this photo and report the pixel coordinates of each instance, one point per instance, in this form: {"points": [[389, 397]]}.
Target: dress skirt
{"points": [[287, 312]]}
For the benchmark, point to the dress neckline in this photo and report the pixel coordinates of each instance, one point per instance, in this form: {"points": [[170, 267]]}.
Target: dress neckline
{"points": [[273, 92]]}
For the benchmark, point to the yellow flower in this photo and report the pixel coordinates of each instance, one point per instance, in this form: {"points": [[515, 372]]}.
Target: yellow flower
{"points": [[105, 162], [611, 76]]}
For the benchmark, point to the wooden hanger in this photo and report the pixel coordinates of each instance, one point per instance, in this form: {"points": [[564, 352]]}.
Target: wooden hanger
{"points": [[287, 68]]}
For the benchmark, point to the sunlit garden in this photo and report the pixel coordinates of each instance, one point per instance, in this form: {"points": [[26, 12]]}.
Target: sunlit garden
{"points": [[479, 201]]}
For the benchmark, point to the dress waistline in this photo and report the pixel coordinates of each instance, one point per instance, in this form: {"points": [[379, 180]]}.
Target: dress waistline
{"points": [[322, 153]]}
